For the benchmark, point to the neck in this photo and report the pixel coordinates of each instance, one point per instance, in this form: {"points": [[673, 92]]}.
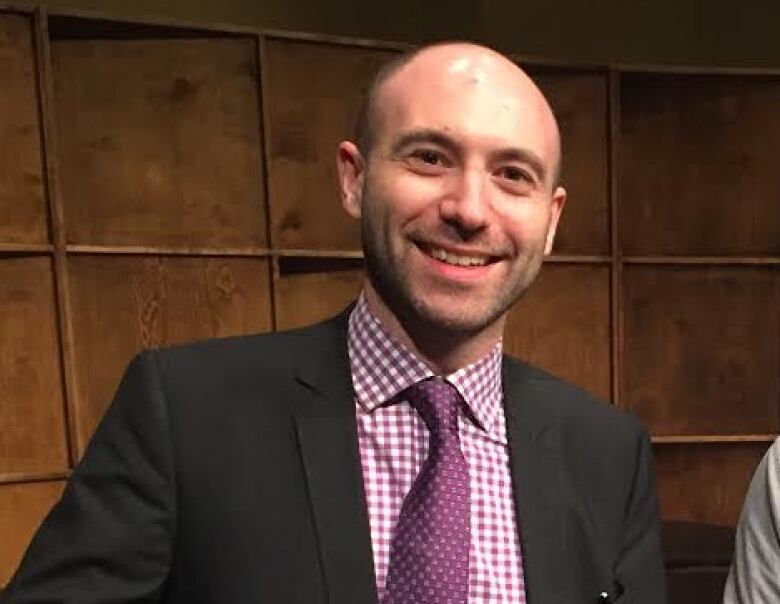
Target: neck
{"points": [[443, 350]]}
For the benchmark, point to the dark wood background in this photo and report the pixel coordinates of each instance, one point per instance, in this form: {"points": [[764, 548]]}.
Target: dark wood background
{"points": [[161, 184]]}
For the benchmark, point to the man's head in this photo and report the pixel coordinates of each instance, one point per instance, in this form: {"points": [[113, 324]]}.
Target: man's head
{"points": [[364, 132], [454, 181]]}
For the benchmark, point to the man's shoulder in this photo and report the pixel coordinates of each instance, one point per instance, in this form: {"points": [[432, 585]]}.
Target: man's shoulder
{"points": [[270, 353], [571, 405]]}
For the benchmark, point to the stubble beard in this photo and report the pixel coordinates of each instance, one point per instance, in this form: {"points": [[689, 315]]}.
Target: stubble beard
{"points": [[417, 315]]}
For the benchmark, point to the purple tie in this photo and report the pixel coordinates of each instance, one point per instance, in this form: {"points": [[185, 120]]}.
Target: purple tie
{"points": [[429, 555]]}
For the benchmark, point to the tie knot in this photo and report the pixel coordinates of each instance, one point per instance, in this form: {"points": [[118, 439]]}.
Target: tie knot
{"points": [[436, 400]]}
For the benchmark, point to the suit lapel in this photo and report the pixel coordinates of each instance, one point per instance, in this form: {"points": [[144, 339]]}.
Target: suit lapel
{"points": [[327, 434], [536, 476]]}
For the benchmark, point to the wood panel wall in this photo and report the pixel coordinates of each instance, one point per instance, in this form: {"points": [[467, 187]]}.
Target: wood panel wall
{"points": [[160, 184]]}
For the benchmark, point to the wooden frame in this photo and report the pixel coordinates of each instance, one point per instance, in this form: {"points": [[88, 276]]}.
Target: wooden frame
{"points": [[294, 248]]}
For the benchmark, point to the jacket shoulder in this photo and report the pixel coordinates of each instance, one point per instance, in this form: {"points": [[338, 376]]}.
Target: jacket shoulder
{"points": [[212, 374], [574, 408], [271, 352]]}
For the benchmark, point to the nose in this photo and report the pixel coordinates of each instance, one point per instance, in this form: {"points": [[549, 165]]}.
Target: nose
{"points": [[465, 205]]}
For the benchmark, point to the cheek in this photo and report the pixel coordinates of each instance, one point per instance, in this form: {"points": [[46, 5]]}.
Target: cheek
{"points": [[404, 200], [377, 221], [526, 224]]}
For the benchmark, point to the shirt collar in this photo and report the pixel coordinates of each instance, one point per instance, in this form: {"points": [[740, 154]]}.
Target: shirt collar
{"points": [[382, 367]]}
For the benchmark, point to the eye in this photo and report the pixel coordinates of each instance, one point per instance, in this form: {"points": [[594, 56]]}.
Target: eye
{"points": [[428, 156], [516, 180], [428, 161], [514, 174]]}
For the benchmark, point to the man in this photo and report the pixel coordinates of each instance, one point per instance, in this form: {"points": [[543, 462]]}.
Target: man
{"points": [[754, 577], [391, 454]]}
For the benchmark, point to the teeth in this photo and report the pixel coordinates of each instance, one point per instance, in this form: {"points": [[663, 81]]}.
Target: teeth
{"points": [[450, 258]]}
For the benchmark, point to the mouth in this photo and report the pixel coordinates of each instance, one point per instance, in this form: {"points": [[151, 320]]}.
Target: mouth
{"points": [[461, 259]]}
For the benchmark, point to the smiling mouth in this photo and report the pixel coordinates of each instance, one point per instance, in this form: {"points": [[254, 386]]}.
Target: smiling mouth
{"points": [[455, 259]]}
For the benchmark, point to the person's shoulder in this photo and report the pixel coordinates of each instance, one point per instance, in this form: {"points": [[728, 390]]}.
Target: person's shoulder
{"points": [[573, 407], [770, 467], [774, 451], [270, 352]]}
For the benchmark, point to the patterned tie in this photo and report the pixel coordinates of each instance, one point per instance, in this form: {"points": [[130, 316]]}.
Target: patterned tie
{"points": [[429, 555]]}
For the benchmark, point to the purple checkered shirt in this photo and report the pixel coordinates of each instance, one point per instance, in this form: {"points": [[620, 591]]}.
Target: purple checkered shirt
{"points": [[394, 444]]}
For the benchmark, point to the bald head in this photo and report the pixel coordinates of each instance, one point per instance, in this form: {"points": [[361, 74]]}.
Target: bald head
{"points": [[458, 66], [454, 187]]}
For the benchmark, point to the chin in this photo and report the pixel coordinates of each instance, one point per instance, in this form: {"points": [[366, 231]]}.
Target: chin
{"points": [[450, 318]]}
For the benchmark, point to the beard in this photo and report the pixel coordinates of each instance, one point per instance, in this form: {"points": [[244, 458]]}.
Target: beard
{"points": [[468, 313]]}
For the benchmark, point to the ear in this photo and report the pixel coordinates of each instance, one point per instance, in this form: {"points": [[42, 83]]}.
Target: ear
{"points": [[351, 167], [556, 208]]}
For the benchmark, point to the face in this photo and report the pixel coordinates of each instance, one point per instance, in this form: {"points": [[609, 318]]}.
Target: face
{"points": [[456, 198]]}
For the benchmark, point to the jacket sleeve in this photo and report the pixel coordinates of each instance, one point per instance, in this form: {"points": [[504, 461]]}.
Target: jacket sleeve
{"points": [[640, 565], [754, 577], [109, 539]]}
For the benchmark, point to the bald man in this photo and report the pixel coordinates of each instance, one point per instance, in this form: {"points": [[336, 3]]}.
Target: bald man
{"points": [[392, 454]]}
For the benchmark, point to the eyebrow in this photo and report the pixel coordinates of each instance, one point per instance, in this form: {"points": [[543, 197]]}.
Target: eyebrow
{"points": [[438, 138], [423, 135]]}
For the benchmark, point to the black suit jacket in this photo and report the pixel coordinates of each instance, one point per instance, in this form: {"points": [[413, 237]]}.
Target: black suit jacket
{"points": [[228, 471]]}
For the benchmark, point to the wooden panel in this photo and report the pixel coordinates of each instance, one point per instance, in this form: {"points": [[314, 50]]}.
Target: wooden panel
{"points": [[22, 508], [705, 482], [702, 349], [686, 544], [579, 101], [562, 325], [312, 97], [698, 165], [32, 426], [700, 585], [159, 142], [308, 290], [22, 203], [123, 304]]}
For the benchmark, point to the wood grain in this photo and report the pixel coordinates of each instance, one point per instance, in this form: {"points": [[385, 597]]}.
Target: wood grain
{"points": [[308, 290], [159, 142], [312, 96], [705, 482], [22, 203], [702, 349], [159, 154], [698, 165], [22, 508], [579, 101], [562, 325], [124, 304], [32, 426]]}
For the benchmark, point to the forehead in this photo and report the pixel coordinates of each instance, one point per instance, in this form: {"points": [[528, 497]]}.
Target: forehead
{"points": [[470, 93]]}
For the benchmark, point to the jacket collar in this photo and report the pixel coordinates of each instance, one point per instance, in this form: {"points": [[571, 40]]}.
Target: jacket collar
{"points": [[327, 436], [537, 479]]}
